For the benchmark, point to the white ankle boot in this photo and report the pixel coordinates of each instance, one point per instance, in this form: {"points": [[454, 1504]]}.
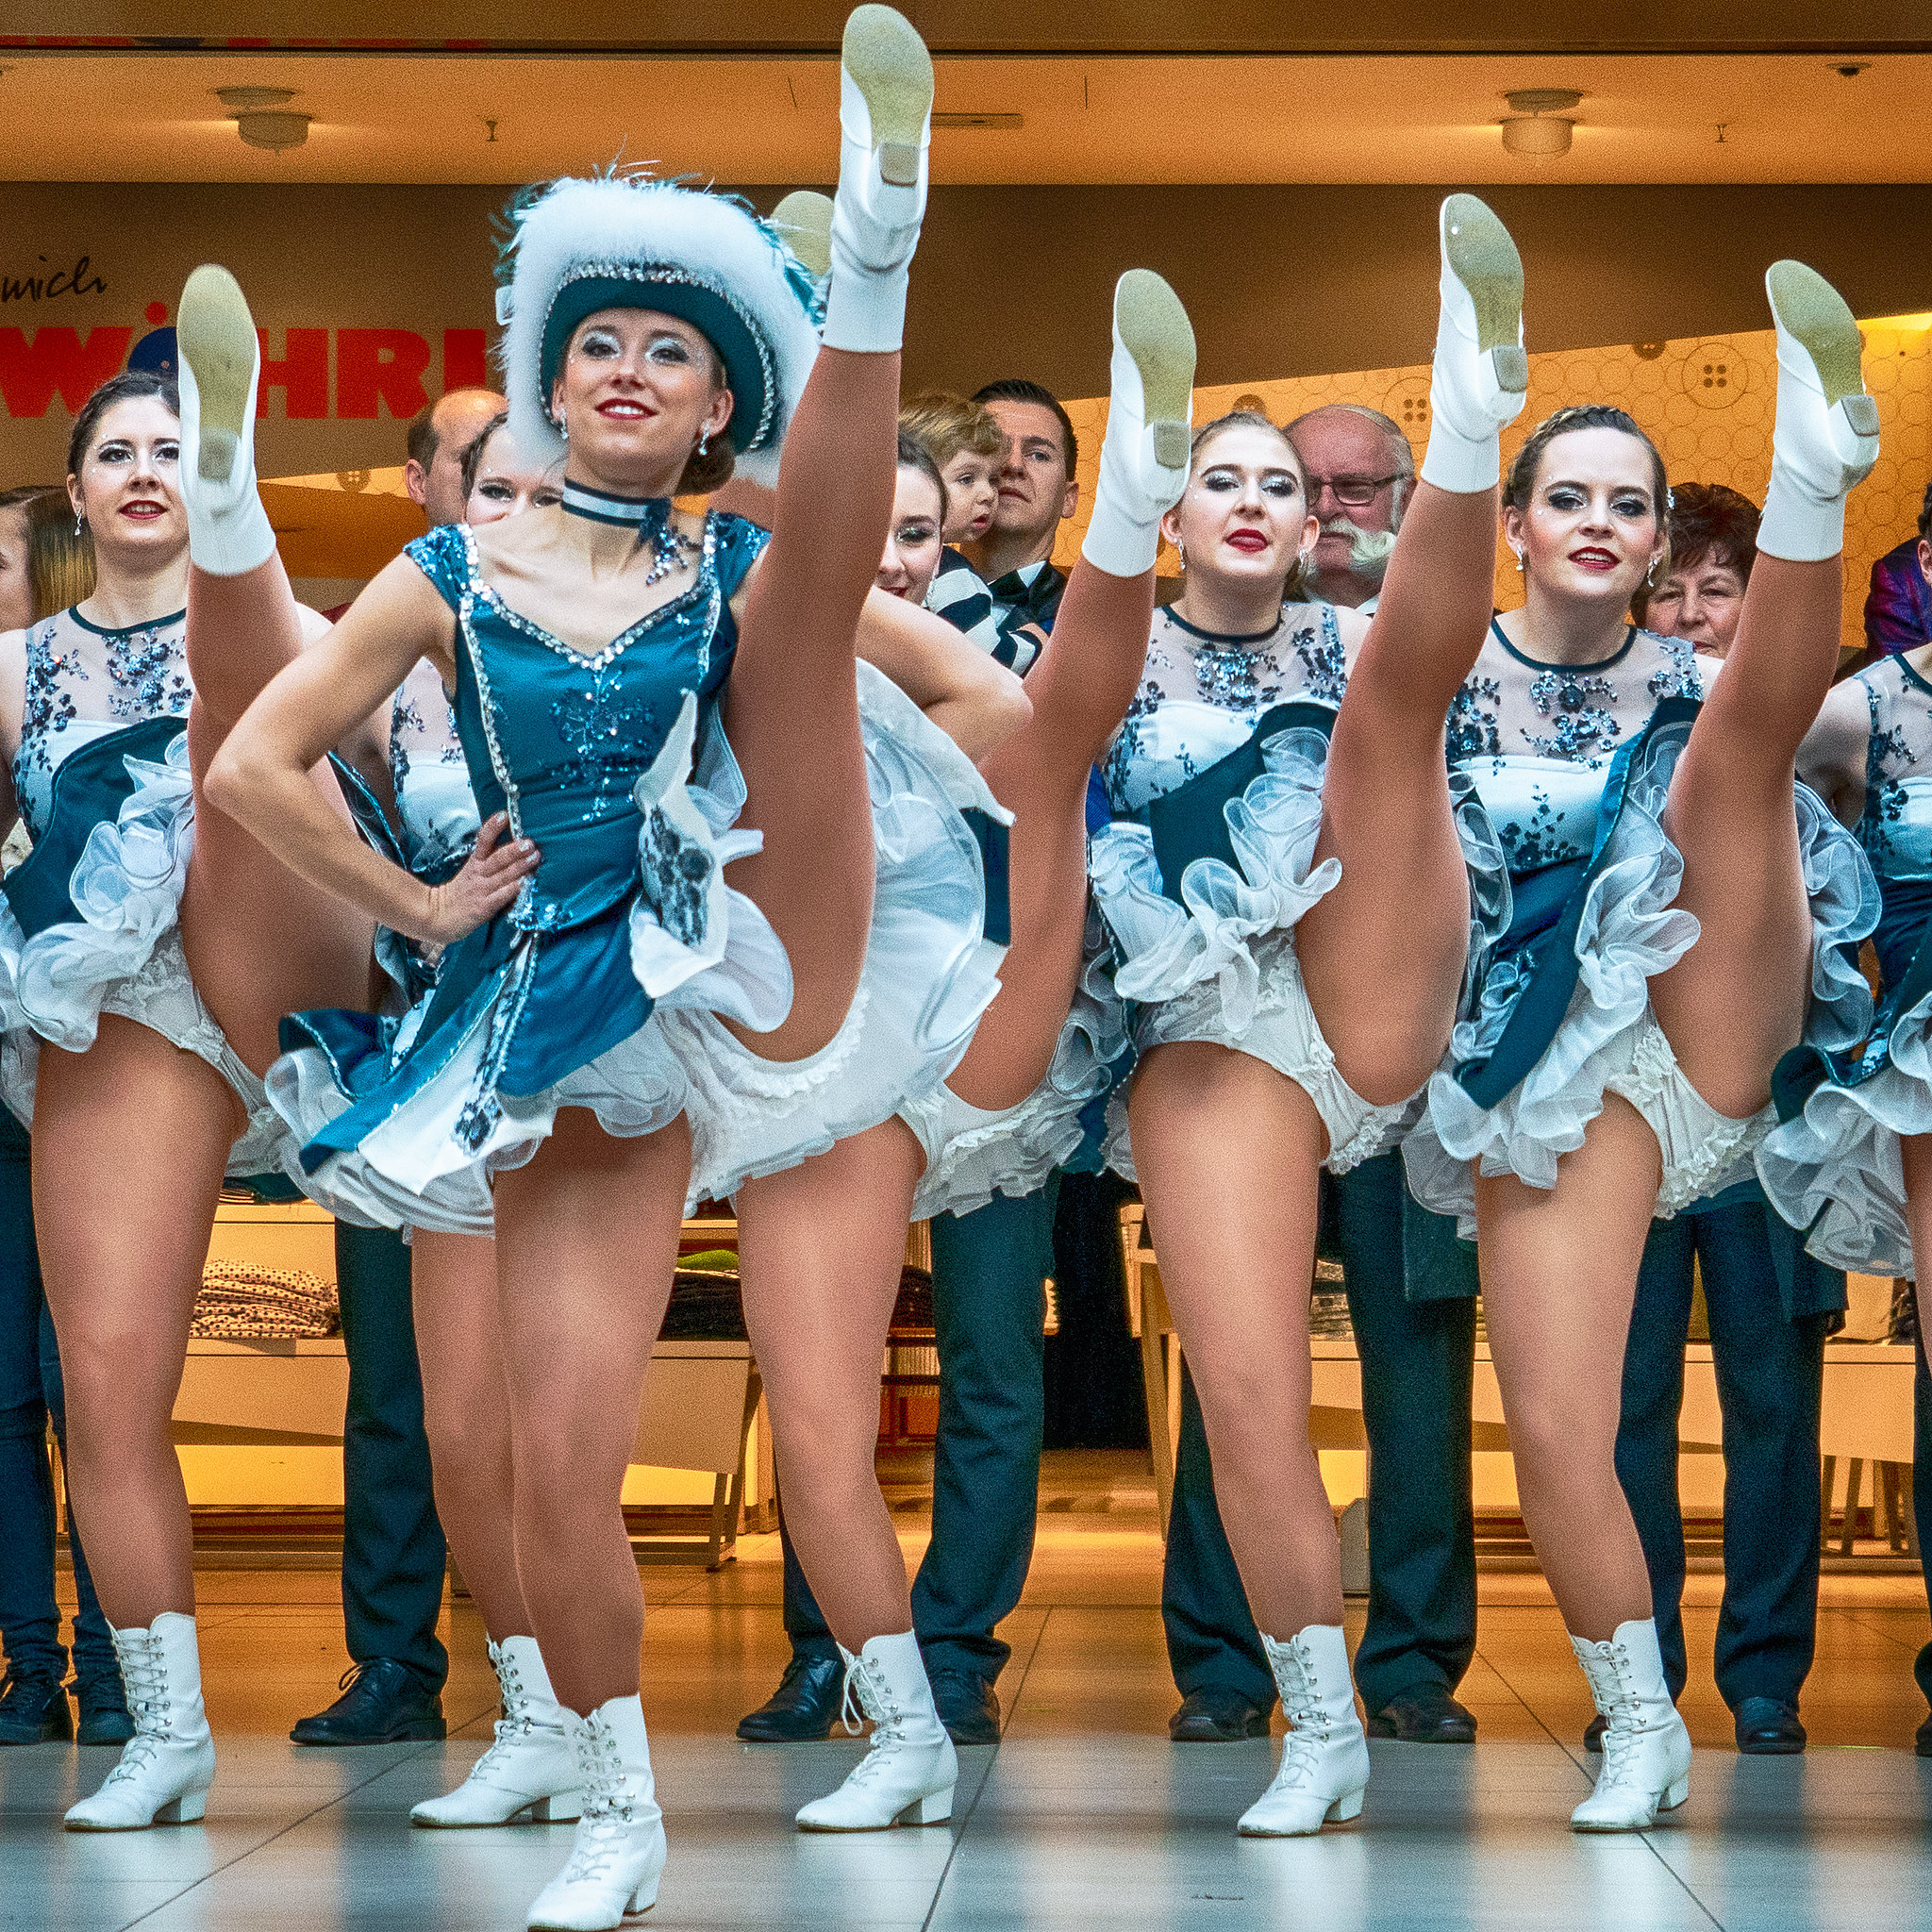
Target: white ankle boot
{"points": [[1144, 457], [1647, 1749], [907, 1775], [618, 1853], [218, 367], [168, 1765], [1480, 377], [1826, 434], [530, 1772], [885, 125], [1324, 1758]]}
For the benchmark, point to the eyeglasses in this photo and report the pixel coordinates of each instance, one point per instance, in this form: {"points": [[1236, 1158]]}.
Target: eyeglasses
{"points": [[1355, 492]]}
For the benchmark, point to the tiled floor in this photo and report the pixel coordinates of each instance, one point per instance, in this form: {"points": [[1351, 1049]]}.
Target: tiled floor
{"points": [[1085, 1817]]}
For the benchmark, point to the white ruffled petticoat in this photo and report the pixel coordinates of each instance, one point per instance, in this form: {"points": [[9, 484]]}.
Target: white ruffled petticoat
{"points": [[930, 972], [1609, 1040], [1221, 967], [974, 1152], [124, 955], [1839, 1163]]}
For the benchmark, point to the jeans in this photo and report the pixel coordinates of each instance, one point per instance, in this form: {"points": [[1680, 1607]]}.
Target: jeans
{"points": [[30, 1396]]}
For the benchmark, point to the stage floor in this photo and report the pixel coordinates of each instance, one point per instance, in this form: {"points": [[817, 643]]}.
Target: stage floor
{"points": [[1084, 1817]]}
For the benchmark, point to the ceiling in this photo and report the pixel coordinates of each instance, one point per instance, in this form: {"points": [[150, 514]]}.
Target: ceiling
{"points": [[423, 118]]}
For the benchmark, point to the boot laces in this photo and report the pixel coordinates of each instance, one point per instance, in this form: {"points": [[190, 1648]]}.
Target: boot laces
{"points": [[145, 1679], [516, 1722], [865, 1685], [1307, 1719], [1621, 1731], [605, 1826]]}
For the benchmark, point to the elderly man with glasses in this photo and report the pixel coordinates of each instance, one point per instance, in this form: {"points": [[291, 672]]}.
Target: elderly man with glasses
{"points": [[1411, 1288]]}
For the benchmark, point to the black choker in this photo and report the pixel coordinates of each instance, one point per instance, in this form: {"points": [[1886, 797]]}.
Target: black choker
{"points": [[649, 516]]}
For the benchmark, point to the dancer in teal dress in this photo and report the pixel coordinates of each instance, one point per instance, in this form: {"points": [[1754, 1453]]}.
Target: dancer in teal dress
{"points": [[644, 697]]}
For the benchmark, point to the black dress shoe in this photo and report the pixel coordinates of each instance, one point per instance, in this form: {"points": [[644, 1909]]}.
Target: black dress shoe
{"points": [[105, 1718], [1769, 1728], [383, 1702], [1215, 1715], [1425, 1714], [34, 1710], [803, 1706], [968, 1705]]}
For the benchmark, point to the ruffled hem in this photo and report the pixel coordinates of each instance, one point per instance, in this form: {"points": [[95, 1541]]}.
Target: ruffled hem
{"points": [[1838, 1170], [123, 956], [1631, 929], [972, 1153], [1283, 1033], [929, 972]]}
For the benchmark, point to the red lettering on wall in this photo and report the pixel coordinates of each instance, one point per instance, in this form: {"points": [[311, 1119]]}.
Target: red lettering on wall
{"points": [[385, 363], [302, 375], [464, 365], [58, 361]]}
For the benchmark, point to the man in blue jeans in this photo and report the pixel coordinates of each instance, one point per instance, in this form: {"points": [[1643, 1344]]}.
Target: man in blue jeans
{"points": [[33, 1700]]}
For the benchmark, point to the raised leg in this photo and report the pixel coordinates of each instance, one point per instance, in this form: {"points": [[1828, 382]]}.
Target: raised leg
{"points": [[1560, 1275], [1236, 1269], [1399, 916], [466, 1414], [130, 1143], [586, 1246], [820, 1248]]}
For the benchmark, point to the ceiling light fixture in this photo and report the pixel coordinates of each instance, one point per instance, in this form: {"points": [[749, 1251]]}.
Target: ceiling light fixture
{"points": [[1536, 127], [261, 118]]}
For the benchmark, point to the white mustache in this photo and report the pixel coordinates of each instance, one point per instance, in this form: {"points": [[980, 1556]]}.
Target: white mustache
{"points": [[1368, 550]]}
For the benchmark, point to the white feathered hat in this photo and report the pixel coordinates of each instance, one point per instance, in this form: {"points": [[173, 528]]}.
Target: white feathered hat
{"points": [[629, 242]]}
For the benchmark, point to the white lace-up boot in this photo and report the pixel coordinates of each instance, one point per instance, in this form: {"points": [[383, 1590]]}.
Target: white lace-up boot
{"points": [[1826, 434], [618, 1854], [1324, 1758], [907, 1775], [168, 1765], [1144, 457], [1480, 377], [885, 125], [217, 366], [530, 1772], [1646, 1764]]}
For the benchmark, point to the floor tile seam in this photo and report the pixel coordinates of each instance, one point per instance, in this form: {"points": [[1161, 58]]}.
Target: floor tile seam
{"points": [[1855, 1616], [939, 1890]]}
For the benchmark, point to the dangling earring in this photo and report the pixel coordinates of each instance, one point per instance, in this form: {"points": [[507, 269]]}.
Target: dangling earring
{"points": [[1650, 576], [79, 522], [1301, 560], [1180, 550], [563, 427], [1518, 555], [704, 442]]}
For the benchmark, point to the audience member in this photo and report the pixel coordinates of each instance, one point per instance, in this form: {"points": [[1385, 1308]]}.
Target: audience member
{"points": [[967, 448], [1714, 545], [1037, 493], [1898, 612], [1361, 472]]}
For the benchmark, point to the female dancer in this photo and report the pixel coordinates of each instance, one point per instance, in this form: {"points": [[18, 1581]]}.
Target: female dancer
{"points": [[593, 989], [1293, 917], [1611, 1073], [821, 1244], [143, 958], [1851, 1161]]}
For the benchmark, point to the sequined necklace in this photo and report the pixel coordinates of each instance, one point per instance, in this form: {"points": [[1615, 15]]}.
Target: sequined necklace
{"points": [[1228, 667], [649, 516]]}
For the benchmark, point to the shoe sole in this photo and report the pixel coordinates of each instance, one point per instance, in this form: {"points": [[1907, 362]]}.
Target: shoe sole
{"points": [[1154, 330], [1344, 1810], [191, 1809], [1484, 259], [555, 1810], [890, 66], [1811, 311], [214, 335], [803, 218], [429, 1733]]}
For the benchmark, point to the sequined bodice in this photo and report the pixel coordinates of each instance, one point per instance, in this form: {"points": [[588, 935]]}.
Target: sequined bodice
{"points": [[83, 682], [1201, 696], [1537, 738], [1897, 826], [431, 779], [557, 737]]}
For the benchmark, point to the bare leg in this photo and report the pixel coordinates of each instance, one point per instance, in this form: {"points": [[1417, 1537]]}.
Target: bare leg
{"points": [[821, 1247], [1917, 1149], [1382, 955], [586, 1246], [1559, 1277], [791, 707], [466, 1415], [1080, 691], [1237, 1271], [129, 1141], [1730, 814]]}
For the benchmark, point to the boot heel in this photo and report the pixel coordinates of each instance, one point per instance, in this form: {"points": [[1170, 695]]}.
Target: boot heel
{"points": [[1677, 1794], [1156, 332], [646, 1896], [1809, 308], [1486, 263], [190, 1808], [560, 1807], [936, 1808], [890, 67], [217, 335], [1345, 1808]]}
